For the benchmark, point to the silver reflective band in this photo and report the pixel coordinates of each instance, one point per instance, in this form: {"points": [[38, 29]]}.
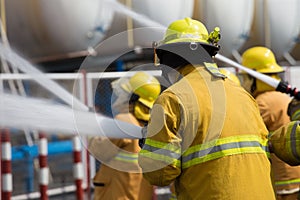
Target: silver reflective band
{"points": [[294, 139]]}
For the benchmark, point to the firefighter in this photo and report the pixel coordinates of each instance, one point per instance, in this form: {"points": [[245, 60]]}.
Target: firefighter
{"points": [[273, 109], [119, 176], [205, 132], [284, 142]]}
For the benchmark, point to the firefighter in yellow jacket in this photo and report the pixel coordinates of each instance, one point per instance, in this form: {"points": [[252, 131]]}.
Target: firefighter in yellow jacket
{"points": [[205, 132], [273, 108], [119, 176], [285, 141]]}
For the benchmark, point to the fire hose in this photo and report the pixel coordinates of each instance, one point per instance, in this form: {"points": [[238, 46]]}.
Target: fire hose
{"points": [[280, 86]]}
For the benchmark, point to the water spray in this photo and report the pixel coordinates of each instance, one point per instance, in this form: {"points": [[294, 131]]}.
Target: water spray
{"points": [[279, 85], [6, 53], [121, 8], [33, 114], [38, 114]]}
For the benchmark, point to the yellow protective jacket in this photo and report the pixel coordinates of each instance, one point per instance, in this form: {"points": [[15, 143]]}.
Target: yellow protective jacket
{"points": [[207, 135], [119, 176], [273, 108], [285, 143]]}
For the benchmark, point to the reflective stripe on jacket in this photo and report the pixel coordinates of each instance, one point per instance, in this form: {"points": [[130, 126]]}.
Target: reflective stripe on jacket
{"points": [[127, 157], [207, 135], [273, 108], [204, 152]]}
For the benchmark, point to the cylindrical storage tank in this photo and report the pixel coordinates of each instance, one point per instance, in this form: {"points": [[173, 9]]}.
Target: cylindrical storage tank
{"points": [[279, 24], [234, 17], [139, 23], [166, 11], [283, 23], [38, 28]]}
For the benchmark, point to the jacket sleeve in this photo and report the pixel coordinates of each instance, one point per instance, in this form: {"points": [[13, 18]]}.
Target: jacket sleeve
{"points": [[105, 149], [285, 143], [161, 153]]}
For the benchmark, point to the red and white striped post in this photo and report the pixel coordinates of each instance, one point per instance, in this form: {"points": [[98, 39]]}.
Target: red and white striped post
{"points": [[87, 153], [78, 167], [43, 162], [6, 174]]}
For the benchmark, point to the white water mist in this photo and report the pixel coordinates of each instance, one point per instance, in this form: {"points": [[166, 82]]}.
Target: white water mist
{"points": [[37, 114], [23, 65], [118, 7], [43, 115]]}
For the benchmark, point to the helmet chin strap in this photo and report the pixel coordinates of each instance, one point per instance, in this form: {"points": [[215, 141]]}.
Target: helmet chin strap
{"points": [[253, 86]]}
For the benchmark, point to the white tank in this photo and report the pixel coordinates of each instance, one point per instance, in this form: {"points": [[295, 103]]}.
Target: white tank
{"points": [[149, 21], [234, 17], [277, 24], [164, 11], [41, 28], [38, 28]]}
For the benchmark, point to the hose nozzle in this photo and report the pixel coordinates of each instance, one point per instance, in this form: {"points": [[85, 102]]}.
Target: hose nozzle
{"points": [[286, 88]]}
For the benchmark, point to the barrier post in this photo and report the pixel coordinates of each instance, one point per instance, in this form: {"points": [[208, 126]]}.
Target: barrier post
{"points": [[43, 163], [87, 153], [78, 167], [6, 172]]}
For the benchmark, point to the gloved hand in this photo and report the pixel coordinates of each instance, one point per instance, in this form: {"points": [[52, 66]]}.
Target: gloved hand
{"points": [[121, 96], [294, 110], [144, 135]]}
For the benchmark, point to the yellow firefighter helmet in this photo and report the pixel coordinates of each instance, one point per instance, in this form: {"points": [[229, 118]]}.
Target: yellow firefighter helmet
{"points": [[183, 33], [261, 59], [147, 87], [186, 30]]}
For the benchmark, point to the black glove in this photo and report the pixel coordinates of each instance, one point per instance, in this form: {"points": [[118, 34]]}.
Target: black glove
{"points": [[294, 110], [143, 139]]}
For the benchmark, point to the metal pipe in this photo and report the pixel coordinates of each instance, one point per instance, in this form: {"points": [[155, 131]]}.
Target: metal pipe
{"points": [[84, 98], [267, 24], [129, 22], [75, 54], [51, 192]]}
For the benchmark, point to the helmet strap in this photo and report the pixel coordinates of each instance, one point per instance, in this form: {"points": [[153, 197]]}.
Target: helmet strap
{"points": [[253, 86], [156, 59]]}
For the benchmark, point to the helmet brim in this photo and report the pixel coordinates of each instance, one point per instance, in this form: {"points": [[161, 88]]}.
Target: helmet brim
{"points": [[146, 102], [273, 68], [183, 53]]}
